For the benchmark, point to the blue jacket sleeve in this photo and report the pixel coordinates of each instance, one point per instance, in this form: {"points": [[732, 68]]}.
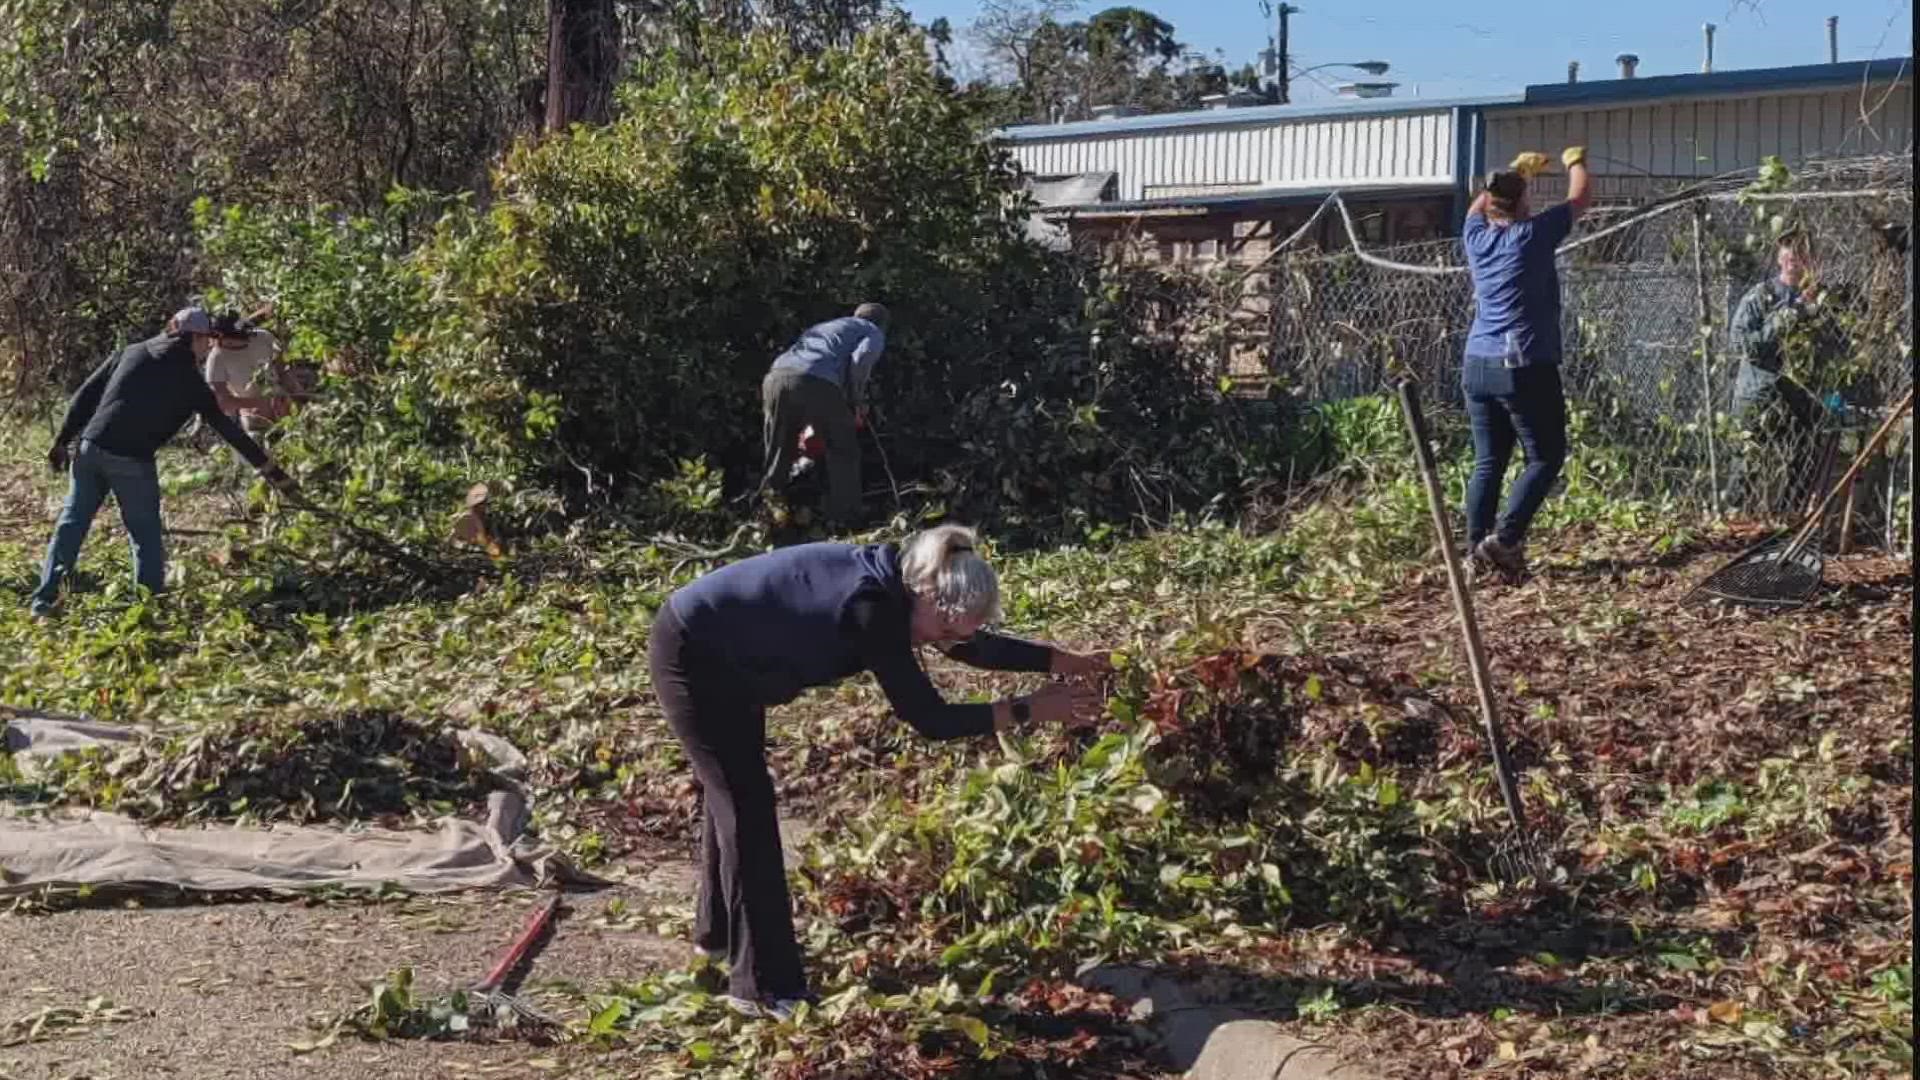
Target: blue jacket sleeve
{"points": [[880, 628], [1758, 324], [999, 652], [866, 356]]}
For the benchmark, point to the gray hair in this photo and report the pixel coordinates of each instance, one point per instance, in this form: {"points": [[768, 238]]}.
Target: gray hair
{"points": [[876, 314], [943, 565]]}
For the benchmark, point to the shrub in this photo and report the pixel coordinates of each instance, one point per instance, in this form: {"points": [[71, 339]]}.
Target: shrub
{"points": [[598, 333]]}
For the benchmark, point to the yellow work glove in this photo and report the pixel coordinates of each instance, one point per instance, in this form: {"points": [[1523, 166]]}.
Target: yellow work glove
{"points": [[1573, 155], [1530, 164]]}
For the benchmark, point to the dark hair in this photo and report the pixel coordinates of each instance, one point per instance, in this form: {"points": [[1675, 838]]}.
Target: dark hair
{"points": [[230, 324], [1505, 190]]}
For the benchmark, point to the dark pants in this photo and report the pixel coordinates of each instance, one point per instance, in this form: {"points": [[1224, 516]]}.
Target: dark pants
{"points": [[743, 905], [1773, 468], [790, 402], [1509, 405], [134, 484]]}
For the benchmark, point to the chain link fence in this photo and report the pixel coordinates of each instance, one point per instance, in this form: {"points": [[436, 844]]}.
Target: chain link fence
{"points": [[1657, 339]]}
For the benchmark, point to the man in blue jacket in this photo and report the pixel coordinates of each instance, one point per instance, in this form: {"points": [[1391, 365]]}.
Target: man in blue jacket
{"points": [[821, 381], [126, 411]]}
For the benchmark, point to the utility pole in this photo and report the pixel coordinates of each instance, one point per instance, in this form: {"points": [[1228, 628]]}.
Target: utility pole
{"points": [[1280, 53]]}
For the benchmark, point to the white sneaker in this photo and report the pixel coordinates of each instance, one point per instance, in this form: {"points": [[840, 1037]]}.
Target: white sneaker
{"points": [[781, 1009]]}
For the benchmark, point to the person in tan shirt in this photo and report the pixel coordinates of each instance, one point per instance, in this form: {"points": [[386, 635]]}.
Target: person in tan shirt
{"points": [[244, 374]]}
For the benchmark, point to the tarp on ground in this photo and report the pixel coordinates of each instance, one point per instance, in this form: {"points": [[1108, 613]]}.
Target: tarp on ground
{"points": [[102, 850]]}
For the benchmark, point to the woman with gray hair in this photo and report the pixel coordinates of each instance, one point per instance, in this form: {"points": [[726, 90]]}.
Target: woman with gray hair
{"points": [[757, 633]]}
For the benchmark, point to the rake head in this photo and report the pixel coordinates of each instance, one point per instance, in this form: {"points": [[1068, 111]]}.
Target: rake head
{"points": [[1764, 577], [509, 1013], [1521, 856]]}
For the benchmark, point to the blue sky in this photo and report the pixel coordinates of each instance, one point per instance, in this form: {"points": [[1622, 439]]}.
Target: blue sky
{"points": [[1442, 49]]}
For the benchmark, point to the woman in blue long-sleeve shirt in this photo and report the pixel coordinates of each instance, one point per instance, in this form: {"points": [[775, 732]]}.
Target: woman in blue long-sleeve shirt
{"points": [[1510, 374], [758, 632]]}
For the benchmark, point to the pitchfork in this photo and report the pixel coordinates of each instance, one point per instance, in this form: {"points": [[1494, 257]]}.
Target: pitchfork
{"points": [[1521, 855]]}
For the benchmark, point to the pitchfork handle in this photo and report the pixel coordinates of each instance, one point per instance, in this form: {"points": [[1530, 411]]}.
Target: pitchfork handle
{"points": [[1462, 602]]}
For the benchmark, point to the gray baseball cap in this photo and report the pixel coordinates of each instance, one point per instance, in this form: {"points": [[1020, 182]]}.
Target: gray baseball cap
{"points": [[192, 320]]}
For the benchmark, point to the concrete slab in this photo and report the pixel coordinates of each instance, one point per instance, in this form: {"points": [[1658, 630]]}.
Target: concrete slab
{"points": [[1210, 1039]]}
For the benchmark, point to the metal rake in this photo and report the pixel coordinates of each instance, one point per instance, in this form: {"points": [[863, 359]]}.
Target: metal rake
{"points": [[376, 544], [506, 1008], [1781, 572]]}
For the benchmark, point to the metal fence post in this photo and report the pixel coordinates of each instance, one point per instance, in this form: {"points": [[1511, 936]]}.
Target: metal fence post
{"points": [[1705, 336]]}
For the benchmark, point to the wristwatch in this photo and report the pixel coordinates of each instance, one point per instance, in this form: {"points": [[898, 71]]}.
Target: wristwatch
{"points": [[1022, 712]]}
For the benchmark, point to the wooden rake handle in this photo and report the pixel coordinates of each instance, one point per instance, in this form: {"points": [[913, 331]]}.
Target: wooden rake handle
{"points": [[1846, 480], [1462, 602]]}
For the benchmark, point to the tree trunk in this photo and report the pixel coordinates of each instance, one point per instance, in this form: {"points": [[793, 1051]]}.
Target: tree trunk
{"points": [[583, 58]]}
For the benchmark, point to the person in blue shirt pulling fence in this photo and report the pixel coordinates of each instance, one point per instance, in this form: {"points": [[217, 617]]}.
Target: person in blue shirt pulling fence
{"points": [[821, 382], [758, 632], [1510, 374]]}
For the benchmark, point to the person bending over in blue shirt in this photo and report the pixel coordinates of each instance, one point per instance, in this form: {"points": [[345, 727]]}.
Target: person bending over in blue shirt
{"points": [[821, 380], [1510, 373], [755, 634]]}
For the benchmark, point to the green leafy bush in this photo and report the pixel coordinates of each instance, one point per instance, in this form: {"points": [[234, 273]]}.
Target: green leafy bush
{"points": [[602, 326], [1229, 796]]}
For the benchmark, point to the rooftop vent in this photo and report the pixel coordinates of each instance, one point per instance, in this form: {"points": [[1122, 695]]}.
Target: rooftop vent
{"points": [[1237, 99], [1368, 89]]}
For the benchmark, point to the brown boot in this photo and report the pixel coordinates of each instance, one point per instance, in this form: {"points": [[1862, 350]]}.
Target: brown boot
{"points": [[1509, 559]]}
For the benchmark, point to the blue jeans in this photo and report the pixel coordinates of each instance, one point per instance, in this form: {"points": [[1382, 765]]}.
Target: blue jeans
{"points": [[1508, 405], [135, 485]]}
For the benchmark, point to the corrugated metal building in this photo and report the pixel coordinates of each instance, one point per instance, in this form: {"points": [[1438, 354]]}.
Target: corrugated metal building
{"points": [[1650, 135], [1217, 182], [1221, 183], [1272, 149]]}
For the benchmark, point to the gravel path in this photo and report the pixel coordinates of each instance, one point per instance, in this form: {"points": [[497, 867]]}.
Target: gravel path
{"points": [[221, 991]]}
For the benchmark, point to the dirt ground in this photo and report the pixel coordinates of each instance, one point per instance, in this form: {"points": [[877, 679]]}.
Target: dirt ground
{"points": [[224, 990]]}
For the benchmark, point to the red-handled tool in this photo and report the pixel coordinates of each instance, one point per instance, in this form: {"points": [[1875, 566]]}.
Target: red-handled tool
{"points": [[489, 989]]}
